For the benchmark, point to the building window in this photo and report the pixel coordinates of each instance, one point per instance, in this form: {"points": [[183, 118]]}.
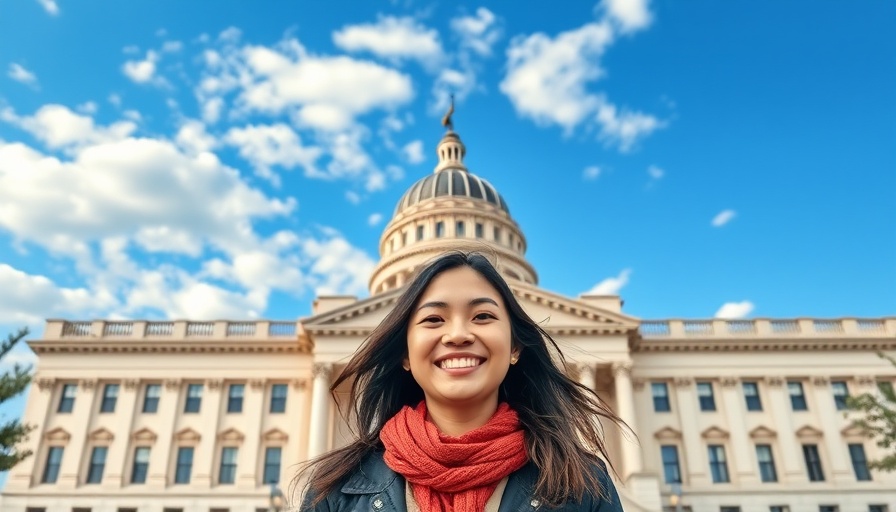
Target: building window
{"points": [[828, 508], [797, 396], [779, 508], [404, 238], [184, 465], [67, 399], [766, 463], [141, 465], [497, 234], [859, 462], [194, 398], [671, 468], [878, 508], [841, 393], [440, 229], [479, 230], [172, 509], [97, 465], [235, 397], [151, 398], [81, 509], [110, 397], [707, 400], [54, 461], [419, 233], [660, 397], [227, 474], [460, 229], [278, 398], [885, 387], [813, 463], [272, 465], [724, 508], [718, 467], [751, 395]]}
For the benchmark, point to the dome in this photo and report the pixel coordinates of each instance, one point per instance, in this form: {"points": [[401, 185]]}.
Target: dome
{"points": [[454, 183]]}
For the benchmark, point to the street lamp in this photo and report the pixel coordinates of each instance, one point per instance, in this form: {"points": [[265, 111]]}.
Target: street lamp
{"points": [[675, 497], [276, 499]]}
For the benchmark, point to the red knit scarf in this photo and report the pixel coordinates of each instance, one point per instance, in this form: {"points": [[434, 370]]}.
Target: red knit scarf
{"points": [[453, 473]]}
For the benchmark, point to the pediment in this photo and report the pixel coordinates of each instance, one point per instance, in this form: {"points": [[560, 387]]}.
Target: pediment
{"points": [[187, 435], [809, 432], [144, 435], [101, 434], [275, 435], [853, 432], [231, 435], [761, 432], [552, 311], [58, 434], [667, 434], [714, 433]]}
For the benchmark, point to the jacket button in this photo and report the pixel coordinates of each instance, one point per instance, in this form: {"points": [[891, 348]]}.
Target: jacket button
{"points": [[378, 504], [535, 503]]}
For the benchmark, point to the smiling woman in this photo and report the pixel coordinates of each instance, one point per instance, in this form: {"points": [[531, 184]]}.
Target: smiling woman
{"points": [[462, 402]]}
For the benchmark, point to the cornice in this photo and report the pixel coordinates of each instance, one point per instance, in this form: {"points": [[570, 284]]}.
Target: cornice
{"points": [[168, 346], [710, 344]]}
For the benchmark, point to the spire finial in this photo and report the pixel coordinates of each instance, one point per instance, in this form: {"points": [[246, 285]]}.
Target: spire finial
{"points": [[446, 120]]}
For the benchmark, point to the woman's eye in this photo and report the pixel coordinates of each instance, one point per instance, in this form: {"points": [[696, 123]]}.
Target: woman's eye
{"points": [[431, 319], [484, 316]]}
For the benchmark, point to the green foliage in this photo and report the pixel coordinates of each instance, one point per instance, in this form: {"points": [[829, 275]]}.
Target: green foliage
{"points": [[878, 419], [12, 383]]}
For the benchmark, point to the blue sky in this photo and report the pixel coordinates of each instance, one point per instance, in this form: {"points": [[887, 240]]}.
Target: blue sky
{"points": [[231, 159]]}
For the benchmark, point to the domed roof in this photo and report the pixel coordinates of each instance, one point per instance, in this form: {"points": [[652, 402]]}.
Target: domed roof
{"points": [[454, 183]]}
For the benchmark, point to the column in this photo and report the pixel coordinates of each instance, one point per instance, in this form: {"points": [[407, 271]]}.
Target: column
{"points": [[77, 426], [841, 467], [586, 375], [37, 411], [318, 435], [741, 446], [209, 413], [124, 420], [254, 409], [792, 454], [692, 443], [161, 451], [625, 402]]}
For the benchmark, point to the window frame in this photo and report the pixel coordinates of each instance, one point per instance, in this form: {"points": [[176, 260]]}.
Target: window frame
{"points": [[798, 401], [270, 466], [186, 466], [280, 401], [707, 402], [153, 400], [67, 403], [768, 473], [235, 401], [812, 459], [50, 474], [227, 465], [137, 465], [859, 464], [718, 466], [753, 402], [673, 465], [110, 398], [662, 402], [193, 404], [95, 468], [840, 390]]}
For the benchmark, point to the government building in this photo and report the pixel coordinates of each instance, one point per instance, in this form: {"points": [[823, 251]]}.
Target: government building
{"points": [[197, 416]]}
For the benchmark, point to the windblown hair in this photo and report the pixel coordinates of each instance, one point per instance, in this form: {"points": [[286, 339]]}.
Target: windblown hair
{"points": [[559, 415]]}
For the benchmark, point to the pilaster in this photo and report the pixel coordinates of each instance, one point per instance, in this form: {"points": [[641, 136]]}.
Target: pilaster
{"points": [[80, 419], [318, 436]]}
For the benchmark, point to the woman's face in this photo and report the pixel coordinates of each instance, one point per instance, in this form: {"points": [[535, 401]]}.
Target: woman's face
{"points": [[459, 344]]}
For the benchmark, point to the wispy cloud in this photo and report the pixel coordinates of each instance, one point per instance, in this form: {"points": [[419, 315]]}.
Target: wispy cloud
{"points": [[393, 38], [18, 73], [611, 285], [413, 151], [478, 32], [50, 6], [629, 15], [723, 217], [374, 219], [592, 172], [734, 310], [655, 173]]}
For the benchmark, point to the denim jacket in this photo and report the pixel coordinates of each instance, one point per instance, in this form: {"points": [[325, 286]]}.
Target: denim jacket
{"points": [[374, 487]]}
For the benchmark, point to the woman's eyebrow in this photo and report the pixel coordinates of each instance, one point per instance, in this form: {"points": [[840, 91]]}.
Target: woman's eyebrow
{"points": [[443, 305]]}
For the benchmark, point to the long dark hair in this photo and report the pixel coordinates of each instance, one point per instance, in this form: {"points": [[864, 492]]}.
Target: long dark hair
{"points": [[559, 416]]}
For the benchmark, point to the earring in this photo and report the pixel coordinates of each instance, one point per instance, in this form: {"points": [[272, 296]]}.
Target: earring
{"points": [[514, 359]]}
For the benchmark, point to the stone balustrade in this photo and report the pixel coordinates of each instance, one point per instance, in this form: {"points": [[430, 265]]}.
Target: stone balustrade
{"points": [[770, 328], [173, 330]]}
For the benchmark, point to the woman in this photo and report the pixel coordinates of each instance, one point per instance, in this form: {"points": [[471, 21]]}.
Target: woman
{"points": [[459, 406]]}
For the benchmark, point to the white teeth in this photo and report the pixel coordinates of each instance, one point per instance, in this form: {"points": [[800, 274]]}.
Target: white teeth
{"points": [[459, 362]]}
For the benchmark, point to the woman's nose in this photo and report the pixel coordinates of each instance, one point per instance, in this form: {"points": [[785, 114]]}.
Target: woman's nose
{"points": [[459, 335]]}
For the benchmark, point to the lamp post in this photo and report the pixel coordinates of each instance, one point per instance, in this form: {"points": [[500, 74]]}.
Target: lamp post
{"points": [[675, 497], [276, 499]]}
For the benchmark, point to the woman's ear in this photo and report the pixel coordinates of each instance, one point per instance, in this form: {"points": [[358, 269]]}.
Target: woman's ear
{"points": [[406, 364], [515, 354]]}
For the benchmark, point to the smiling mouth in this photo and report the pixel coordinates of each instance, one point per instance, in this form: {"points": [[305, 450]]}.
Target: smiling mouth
{"points": [[459, 362]]}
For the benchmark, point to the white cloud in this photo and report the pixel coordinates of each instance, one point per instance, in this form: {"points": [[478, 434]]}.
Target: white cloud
{"points": [[169, 240], [88, 108], [723, 217], [734, 310], [353, 197], [273, 145], [30, 299], [374, 219], [611, 285], [546, 76], [193, 138], [172, 46], [477, 33], [50, 6], [142, 71], [624, 129], [655, 172], [338, 267], [392, 38], [18, 73], [413, 152], [592, 172], [57, 127], [115, 99], [211, 110], [450, 81], [629, 15]]}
